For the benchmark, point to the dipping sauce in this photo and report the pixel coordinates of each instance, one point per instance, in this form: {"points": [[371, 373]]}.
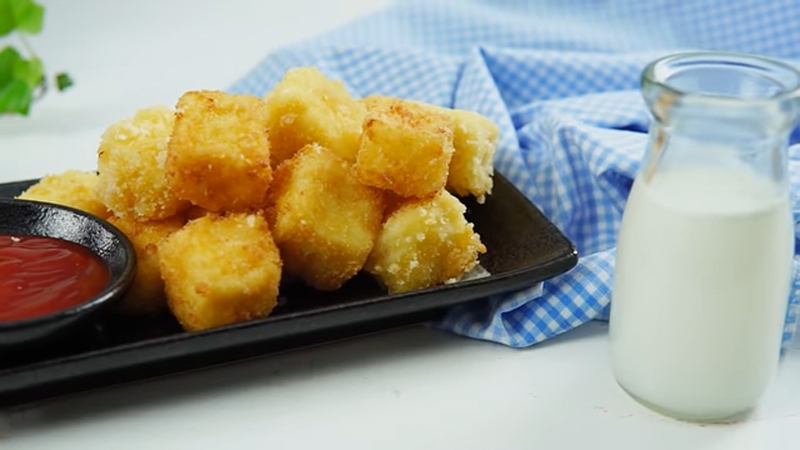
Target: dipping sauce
{"points": [[40, 276]]}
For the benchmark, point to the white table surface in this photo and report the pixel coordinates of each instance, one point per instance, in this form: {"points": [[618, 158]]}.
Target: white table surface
{"points": [[412, 388]]}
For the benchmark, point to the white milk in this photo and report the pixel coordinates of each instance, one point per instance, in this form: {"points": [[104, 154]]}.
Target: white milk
{"points": [[702, 281]]}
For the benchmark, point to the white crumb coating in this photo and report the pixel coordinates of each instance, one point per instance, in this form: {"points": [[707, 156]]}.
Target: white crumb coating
{"points": [[146, 295], [424, 243], [405, 147], [73, 188], [306, 107], [221, 269], [472, 166], [130, 162], [218, 156], [323, 220], [474, 143]]}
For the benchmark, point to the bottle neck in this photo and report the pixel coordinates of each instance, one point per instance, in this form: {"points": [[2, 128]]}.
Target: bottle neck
{"points": [[748, 96]]}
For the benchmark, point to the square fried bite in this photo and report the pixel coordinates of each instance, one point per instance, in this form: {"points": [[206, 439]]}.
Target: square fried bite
{"points": [[71, 188], [307, 107], [324, 221], [474, 140], [219, 270], [218, 156], [130, 160], [405, 148], [472, 166], [146, 295], [424, 243]]}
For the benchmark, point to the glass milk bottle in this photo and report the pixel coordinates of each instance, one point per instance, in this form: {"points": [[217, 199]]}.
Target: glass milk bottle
{"points": [[704, 259]]}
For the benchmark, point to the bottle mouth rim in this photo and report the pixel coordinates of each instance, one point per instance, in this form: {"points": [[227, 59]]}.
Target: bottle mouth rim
{"points": [[658, 73]]}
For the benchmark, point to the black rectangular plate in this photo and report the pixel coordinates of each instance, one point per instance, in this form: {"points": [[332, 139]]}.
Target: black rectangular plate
{"points": [[523, 248]]}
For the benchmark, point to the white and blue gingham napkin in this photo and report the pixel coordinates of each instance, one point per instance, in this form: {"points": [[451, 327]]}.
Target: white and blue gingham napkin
{"points": [[561, 79]]}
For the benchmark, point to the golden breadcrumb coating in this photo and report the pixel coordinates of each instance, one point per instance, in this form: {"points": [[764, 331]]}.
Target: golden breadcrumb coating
{"points": [[324, 221], [131, 160], [72, 188], [146, 295], [424, 243], [218, 156], [474, 141], [405, 148], [306, 107], [221, 269], [472, 166]]}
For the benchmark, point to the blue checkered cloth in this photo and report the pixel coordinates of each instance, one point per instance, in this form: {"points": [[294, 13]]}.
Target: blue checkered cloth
{"points": [[561, 79]]}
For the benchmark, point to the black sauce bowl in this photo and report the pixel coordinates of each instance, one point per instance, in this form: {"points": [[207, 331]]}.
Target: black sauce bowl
{"points": [[31, 218]]}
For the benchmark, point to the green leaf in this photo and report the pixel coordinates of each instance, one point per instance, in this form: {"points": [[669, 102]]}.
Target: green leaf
{"points": [[63, 81], [8, 58], [16, 97], [7, 23], [28, 15], [30, 71]]}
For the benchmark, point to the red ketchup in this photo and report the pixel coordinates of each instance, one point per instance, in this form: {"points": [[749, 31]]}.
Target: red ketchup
{"points": [[40, 276]]}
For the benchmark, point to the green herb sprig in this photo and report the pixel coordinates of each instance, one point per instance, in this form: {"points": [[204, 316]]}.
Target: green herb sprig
{"points": [[22, 74]]}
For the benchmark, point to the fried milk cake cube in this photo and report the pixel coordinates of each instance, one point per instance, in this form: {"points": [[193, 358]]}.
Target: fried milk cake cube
{"points": [[218, 156], [472, 166], [324, 221], [221, 269], [307, 107], [130, 161], [424, 243], [146, 294], [71, 188], [474, 142], [405, 148]]}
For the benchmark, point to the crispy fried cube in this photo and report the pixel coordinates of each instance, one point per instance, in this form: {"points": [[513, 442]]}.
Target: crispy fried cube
{"points": [[71, 188], [405, 148], [219, 270], [218, 156], [474, 139], [306, 107], [146, 295], [424, 243], [324, 220], [472, 166], [130, 160]]}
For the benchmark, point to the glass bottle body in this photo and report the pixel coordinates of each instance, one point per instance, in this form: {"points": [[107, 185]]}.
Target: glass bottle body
{"points": [[704, 256]]}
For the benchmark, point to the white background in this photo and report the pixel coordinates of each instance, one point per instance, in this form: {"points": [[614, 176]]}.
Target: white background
{"points": [[407, 389]]}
